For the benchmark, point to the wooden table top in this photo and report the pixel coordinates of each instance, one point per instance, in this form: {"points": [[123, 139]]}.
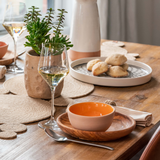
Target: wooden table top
{"points": [[35, 144]]}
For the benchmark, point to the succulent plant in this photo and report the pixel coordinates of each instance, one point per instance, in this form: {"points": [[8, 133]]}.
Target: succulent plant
{"points": [[39, 30]]}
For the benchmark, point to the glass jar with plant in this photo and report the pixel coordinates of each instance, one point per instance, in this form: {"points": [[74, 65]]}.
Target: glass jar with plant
{"points": [[39, 32]]}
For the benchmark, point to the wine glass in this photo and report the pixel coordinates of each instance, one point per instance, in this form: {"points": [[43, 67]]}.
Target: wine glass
{"points": [[53, 67], [14, 24]]}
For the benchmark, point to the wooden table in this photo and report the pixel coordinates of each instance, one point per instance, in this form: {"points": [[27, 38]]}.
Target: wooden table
{"points": [[35, 144]]}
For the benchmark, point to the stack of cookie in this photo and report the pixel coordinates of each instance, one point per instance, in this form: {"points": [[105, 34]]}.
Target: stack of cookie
{"points": [[113, 66]]}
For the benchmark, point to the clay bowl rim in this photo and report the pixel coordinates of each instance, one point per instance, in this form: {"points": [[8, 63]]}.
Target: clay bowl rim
{"points": [[6, 44], [90, 117]]}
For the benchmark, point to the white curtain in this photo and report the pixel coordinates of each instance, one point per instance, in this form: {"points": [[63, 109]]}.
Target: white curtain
{"points": [[118, 19], [130, 20]]}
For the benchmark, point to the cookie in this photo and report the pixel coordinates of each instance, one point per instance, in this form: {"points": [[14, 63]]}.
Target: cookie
{"points": [[99, 68], [91, 63], [8, 134], [117, 71], [116, 59], [124, 66], [16, 127]]}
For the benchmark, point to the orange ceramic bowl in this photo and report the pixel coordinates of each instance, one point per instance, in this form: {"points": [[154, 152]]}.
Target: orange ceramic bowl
{"points": [[3, 49], [91, 116]]}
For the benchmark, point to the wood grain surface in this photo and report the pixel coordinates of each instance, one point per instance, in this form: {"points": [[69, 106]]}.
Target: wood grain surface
{"points": [[36, 145]]}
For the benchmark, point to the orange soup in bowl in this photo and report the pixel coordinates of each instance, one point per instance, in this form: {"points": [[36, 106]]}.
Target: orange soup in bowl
{"points": [[91, 109]]}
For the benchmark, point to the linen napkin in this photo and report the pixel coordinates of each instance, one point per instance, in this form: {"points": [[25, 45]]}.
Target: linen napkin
{"points": [[142, 118]]}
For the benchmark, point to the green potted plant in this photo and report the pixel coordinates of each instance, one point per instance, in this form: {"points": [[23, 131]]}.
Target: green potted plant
{"points": [[38, 33]]}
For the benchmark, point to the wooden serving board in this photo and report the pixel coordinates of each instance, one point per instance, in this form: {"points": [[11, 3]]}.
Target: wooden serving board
{"points": [[121, 126]]}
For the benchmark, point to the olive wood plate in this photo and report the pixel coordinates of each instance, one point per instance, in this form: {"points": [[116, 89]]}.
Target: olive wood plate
{"points": [[9, 57], [121, 126]]}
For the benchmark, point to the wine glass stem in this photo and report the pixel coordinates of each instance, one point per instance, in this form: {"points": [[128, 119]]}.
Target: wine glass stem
{"points": [[15, 51], [52, 104]]}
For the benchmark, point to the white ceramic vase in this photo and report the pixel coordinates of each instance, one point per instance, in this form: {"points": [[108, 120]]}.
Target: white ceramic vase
{"points": [[85, 30]]}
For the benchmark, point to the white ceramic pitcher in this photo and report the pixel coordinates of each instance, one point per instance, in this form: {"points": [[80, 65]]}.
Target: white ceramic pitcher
{"points": [[85, 30]]}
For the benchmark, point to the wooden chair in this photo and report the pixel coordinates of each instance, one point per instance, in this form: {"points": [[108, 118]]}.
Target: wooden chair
{"points": [[152, 150]]}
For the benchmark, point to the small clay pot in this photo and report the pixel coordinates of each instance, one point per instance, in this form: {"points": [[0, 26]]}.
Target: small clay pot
{"points": [[35, 85], [3, 49]]}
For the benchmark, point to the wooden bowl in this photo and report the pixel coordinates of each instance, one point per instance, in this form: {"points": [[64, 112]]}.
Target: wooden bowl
{"points": [[121, 126], [91, 116], [3, 49]]}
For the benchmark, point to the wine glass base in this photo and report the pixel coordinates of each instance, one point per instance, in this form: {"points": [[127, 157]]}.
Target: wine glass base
{"points": [[15, 69], [49, 124]]}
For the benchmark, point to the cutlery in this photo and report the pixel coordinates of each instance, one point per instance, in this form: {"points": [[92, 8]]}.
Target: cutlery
{"points": [[19, 54], [60, 138]]}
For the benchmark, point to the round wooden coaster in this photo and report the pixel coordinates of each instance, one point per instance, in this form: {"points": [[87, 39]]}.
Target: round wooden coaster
{"points": [[22, 109], [8, 134], [16, 85], [74, 88], [13, 127]]}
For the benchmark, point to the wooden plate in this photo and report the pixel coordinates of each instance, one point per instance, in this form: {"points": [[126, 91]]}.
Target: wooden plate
{"points": [[122, 125], [8, 58]]}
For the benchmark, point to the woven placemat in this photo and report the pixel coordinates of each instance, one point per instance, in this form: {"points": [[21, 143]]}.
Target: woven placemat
{"points": [[15, 85], [16, 127], [72, 88], [8, 135], [62, 101], [22, 109], [3, 91], [107, 50], [114, 47]]}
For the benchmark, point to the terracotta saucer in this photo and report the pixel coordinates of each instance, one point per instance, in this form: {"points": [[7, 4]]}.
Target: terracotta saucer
{"points": [[122, 125]]}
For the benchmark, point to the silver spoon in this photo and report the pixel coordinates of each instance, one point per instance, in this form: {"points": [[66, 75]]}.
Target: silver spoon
{"points": [[60, 138]]}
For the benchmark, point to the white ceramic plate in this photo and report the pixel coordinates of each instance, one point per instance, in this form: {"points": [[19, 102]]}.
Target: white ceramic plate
{"points": [[139, 73]]}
